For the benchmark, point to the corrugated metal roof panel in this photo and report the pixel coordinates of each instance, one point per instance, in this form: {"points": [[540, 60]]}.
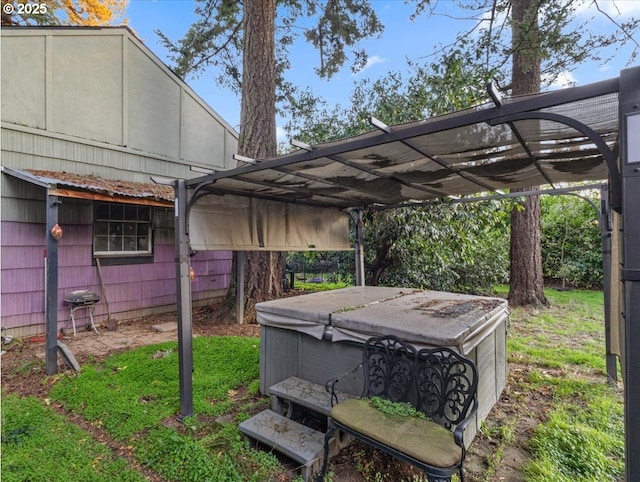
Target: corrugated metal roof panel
{"points": [[95, 184]]}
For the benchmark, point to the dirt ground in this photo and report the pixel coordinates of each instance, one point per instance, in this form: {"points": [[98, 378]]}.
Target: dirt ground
{"points": [[23, 373]]}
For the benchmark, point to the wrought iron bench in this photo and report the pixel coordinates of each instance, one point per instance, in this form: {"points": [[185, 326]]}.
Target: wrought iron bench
{"points": [[437, 382]]}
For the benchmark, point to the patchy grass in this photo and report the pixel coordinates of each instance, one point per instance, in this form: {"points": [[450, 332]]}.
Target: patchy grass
{"points": [[568, 333], [580, 443], [38, 444], [133, 396], [560, 352], [573, 430], [137, 389], [324, 286]]}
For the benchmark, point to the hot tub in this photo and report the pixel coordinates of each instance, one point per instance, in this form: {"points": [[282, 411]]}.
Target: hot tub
{"points": [[320, 335]]}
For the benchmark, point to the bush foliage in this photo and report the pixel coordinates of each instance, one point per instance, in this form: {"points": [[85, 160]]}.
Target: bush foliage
{"points": [[571, 244], [465, 247]]}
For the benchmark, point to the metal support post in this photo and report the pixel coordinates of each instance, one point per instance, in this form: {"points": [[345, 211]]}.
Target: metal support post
{"points": [[358, 245], [604, 222], [629, 108], [183, 291], [51, 301], [240, 258]]}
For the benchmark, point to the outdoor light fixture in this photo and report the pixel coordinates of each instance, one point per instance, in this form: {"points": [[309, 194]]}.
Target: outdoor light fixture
{"points": [[163, 181], [301, 145], [202, 170], [379, 124], [248, 160], [192, 273], [633, 138], [56, 232]]}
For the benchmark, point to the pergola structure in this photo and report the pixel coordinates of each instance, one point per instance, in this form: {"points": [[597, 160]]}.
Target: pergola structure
{"points": [[583, 133]]}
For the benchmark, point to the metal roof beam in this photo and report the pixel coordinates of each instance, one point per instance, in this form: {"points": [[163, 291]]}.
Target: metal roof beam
{"points": [[494, 93], [345, 200], [248, 160], [385, 128], [389, 177], [286, 187], [233, 192], [322, 180], [301, 145], [607, 154], [465, 175], [380, 125], [533, 158], [508, 195]]}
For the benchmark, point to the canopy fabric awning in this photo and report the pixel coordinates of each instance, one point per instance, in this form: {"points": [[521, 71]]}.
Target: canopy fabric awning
{"points": [[244, 224], [544, 139]]}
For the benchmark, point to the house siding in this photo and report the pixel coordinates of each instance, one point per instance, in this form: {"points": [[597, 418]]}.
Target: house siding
{"points": [[130, 289], [100, 103], [103, 87]]}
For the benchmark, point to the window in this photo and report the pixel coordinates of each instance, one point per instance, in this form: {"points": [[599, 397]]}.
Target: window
{"points": [[122, 229]]}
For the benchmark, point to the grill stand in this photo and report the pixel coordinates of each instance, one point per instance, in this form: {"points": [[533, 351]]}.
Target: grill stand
{"points": [[90, 308]]}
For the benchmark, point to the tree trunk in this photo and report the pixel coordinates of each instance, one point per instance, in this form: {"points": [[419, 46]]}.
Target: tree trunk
{"points": [[381, 262], [526, 284], [263, 269]]}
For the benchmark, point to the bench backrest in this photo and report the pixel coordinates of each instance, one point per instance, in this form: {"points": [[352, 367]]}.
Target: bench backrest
{"points": [[447, 384], [437, 381], [389, 368]]}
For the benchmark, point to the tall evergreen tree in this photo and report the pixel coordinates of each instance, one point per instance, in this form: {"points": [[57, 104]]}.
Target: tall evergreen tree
{"points": [[263, 269], [526, 283], [540, 40], [240, 40]]}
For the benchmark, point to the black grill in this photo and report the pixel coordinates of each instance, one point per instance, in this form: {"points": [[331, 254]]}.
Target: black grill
{"points": [[82, 298]]}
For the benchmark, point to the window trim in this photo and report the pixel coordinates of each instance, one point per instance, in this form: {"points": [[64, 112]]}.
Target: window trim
{"points": [[132, 257]]}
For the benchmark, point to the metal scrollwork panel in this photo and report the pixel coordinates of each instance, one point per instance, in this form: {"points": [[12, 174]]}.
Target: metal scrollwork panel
{"points": [[447, 383], [389, 368]]}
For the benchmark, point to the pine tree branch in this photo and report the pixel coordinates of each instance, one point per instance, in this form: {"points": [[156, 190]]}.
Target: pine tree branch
{"points": [[620, 27]]}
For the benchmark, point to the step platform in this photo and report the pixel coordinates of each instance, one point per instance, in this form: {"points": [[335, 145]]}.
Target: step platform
{"points": [[296, 391], [298, 442]]}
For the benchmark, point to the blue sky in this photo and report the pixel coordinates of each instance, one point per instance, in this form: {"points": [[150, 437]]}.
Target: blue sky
{"points": [[402, 39]]}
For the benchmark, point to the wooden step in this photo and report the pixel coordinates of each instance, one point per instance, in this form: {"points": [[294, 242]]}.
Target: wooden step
{"points": [[304, 393], [296, 441]]}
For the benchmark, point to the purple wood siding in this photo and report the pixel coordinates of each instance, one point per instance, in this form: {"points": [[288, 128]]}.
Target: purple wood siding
{"points": [[128, 287]]}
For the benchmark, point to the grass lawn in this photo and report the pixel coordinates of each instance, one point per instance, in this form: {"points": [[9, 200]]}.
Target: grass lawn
{"points": [[132, 399], [560, 356], [38, 444]]}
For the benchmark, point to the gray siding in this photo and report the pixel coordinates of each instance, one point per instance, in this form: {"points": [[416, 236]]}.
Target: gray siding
{"points": [[98, 101]]}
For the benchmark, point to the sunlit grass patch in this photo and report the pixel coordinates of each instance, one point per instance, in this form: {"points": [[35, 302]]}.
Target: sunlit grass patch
{"points": [[324, 286], [135, 396], [583, 444], [563, 348], [137, 389]]}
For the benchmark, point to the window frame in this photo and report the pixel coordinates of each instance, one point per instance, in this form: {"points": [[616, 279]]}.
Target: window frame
{"points": [[110, 224]]}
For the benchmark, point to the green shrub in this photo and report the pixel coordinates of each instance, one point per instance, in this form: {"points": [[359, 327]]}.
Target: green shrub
{"points": [[571, 244]]}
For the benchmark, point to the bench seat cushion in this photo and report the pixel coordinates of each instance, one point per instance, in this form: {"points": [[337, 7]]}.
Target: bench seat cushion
{"points": [[421, 439]]}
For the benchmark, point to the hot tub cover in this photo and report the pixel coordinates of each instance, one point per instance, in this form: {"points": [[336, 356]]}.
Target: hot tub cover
{"points": [[312, 313], [423, 318]]}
